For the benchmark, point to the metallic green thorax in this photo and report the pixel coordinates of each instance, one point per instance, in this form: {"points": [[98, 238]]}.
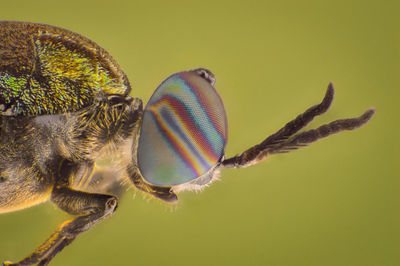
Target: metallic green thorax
{"points": [[48, 70]]}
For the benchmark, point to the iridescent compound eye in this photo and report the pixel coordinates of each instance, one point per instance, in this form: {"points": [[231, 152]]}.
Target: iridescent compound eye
{"points": [[184, 130]]}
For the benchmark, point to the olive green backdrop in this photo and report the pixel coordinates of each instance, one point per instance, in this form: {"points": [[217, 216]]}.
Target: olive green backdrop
{"points": [[336, 202]]}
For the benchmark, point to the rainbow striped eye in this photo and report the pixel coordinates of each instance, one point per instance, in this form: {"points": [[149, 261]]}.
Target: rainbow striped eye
{"points": [[184, 129]]}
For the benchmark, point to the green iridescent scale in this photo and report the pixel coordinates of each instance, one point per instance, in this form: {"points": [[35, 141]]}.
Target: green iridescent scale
{"points": [[53, 71]]}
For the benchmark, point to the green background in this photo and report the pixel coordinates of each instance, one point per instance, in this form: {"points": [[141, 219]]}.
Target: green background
{"points": [[336, 202]]}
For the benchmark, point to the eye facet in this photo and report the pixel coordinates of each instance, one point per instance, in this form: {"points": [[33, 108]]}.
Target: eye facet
{"points": [[184, 130]]}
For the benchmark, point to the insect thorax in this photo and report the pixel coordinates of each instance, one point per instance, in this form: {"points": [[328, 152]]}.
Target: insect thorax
{"points": [[42, 71], [82, 138]]}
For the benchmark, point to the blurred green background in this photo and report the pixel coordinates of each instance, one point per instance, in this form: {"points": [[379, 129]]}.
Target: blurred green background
{"points": [[336, 202]]}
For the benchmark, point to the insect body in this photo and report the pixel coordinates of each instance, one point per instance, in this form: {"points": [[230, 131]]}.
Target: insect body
{"points": [[64, 102]]}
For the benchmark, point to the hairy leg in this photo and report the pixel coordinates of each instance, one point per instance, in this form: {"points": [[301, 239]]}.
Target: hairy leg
{"points": [[91, 208]]}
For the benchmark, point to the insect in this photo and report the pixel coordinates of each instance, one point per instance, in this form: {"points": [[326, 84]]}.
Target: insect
{"points": [[65, 105]]}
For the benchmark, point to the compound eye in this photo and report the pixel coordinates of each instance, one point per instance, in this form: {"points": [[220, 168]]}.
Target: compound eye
{"points": [[184, 130]]}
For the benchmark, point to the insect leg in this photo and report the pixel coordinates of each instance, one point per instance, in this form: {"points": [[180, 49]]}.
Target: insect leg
{"points": [[91, 208], [285, 139]]}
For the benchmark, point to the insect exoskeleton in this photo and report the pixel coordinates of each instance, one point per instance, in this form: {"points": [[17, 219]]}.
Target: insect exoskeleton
{"points": [[58, 93], [50, 70]]}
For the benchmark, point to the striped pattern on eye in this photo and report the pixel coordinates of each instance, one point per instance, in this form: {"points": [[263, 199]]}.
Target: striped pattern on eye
{"points": [[184, 130]]}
